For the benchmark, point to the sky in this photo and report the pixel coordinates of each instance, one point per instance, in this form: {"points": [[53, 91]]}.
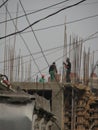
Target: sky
{"points": [[47, 34]]}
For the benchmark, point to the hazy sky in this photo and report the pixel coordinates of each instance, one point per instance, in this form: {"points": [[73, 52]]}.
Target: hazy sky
{"points": [[51, 37]]}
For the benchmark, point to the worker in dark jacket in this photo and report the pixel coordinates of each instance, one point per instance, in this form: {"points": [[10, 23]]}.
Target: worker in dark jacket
{"points": [[52, 71], [68, 69]]}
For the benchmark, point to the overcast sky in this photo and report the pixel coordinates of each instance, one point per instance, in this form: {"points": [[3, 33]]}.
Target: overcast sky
{"points": [[51, 37]]}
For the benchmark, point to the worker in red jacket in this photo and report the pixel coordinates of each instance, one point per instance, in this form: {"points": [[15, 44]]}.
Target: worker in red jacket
{"points": [[4, 81]]}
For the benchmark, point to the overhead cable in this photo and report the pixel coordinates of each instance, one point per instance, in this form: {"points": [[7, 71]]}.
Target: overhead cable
{"points": [[83, 41], [42, 19], [8, 20], [36, 53], [34, 34], [37, 40], [57, 25], [35, 11], [3, 3], [70, 22], [24, 41], [48, 50]]}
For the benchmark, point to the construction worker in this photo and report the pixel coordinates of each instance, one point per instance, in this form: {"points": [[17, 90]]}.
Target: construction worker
{"points": [[4, 81], [68, 69], [42, 79], [53, 71]]}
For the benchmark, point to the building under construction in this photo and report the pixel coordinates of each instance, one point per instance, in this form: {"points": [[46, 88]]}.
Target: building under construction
{"points": [[74, 105], [51, 106], [59, 105]]}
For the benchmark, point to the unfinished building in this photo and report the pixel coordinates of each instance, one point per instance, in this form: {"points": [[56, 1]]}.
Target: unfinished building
{"points": [[74, 105]]}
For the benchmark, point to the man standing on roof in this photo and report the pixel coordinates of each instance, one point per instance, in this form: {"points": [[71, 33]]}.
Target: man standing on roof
{"points": [[68, 69], [53, 71]]}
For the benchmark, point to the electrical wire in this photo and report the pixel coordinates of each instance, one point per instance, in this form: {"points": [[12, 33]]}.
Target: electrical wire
{"points": [[59, 25], [3, 3], [42, 10], [48, 50], [36, 53], [60, 50], [35, 11], [34, 34], [37, 40], [24, 42], [45, 18], [67, 23], [61, 88], [83, 41], [90, 37], [56, 94], [42, 19]]}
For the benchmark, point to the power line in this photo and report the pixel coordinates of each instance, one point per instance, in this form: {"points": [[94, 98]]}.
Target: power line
{"points": [[23, 41], [35, 11], [48, 50], [42, 10], [83, 41], [56, 50], [3, 3], [36, 53], [70, 22], [58, 25], [73, 48], [34, 34], [90, 37], [36, 39], [42, 19]]}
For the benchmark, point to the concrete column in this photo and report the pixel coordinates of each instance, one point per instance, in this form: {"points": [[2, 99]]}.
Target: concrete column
{"points": [[57, 106]]}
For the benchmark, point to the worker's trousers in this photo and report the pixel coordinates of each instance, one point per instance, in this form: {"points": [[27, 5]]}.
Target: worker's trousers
{"points": [[68, 76], [52, 75]]}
